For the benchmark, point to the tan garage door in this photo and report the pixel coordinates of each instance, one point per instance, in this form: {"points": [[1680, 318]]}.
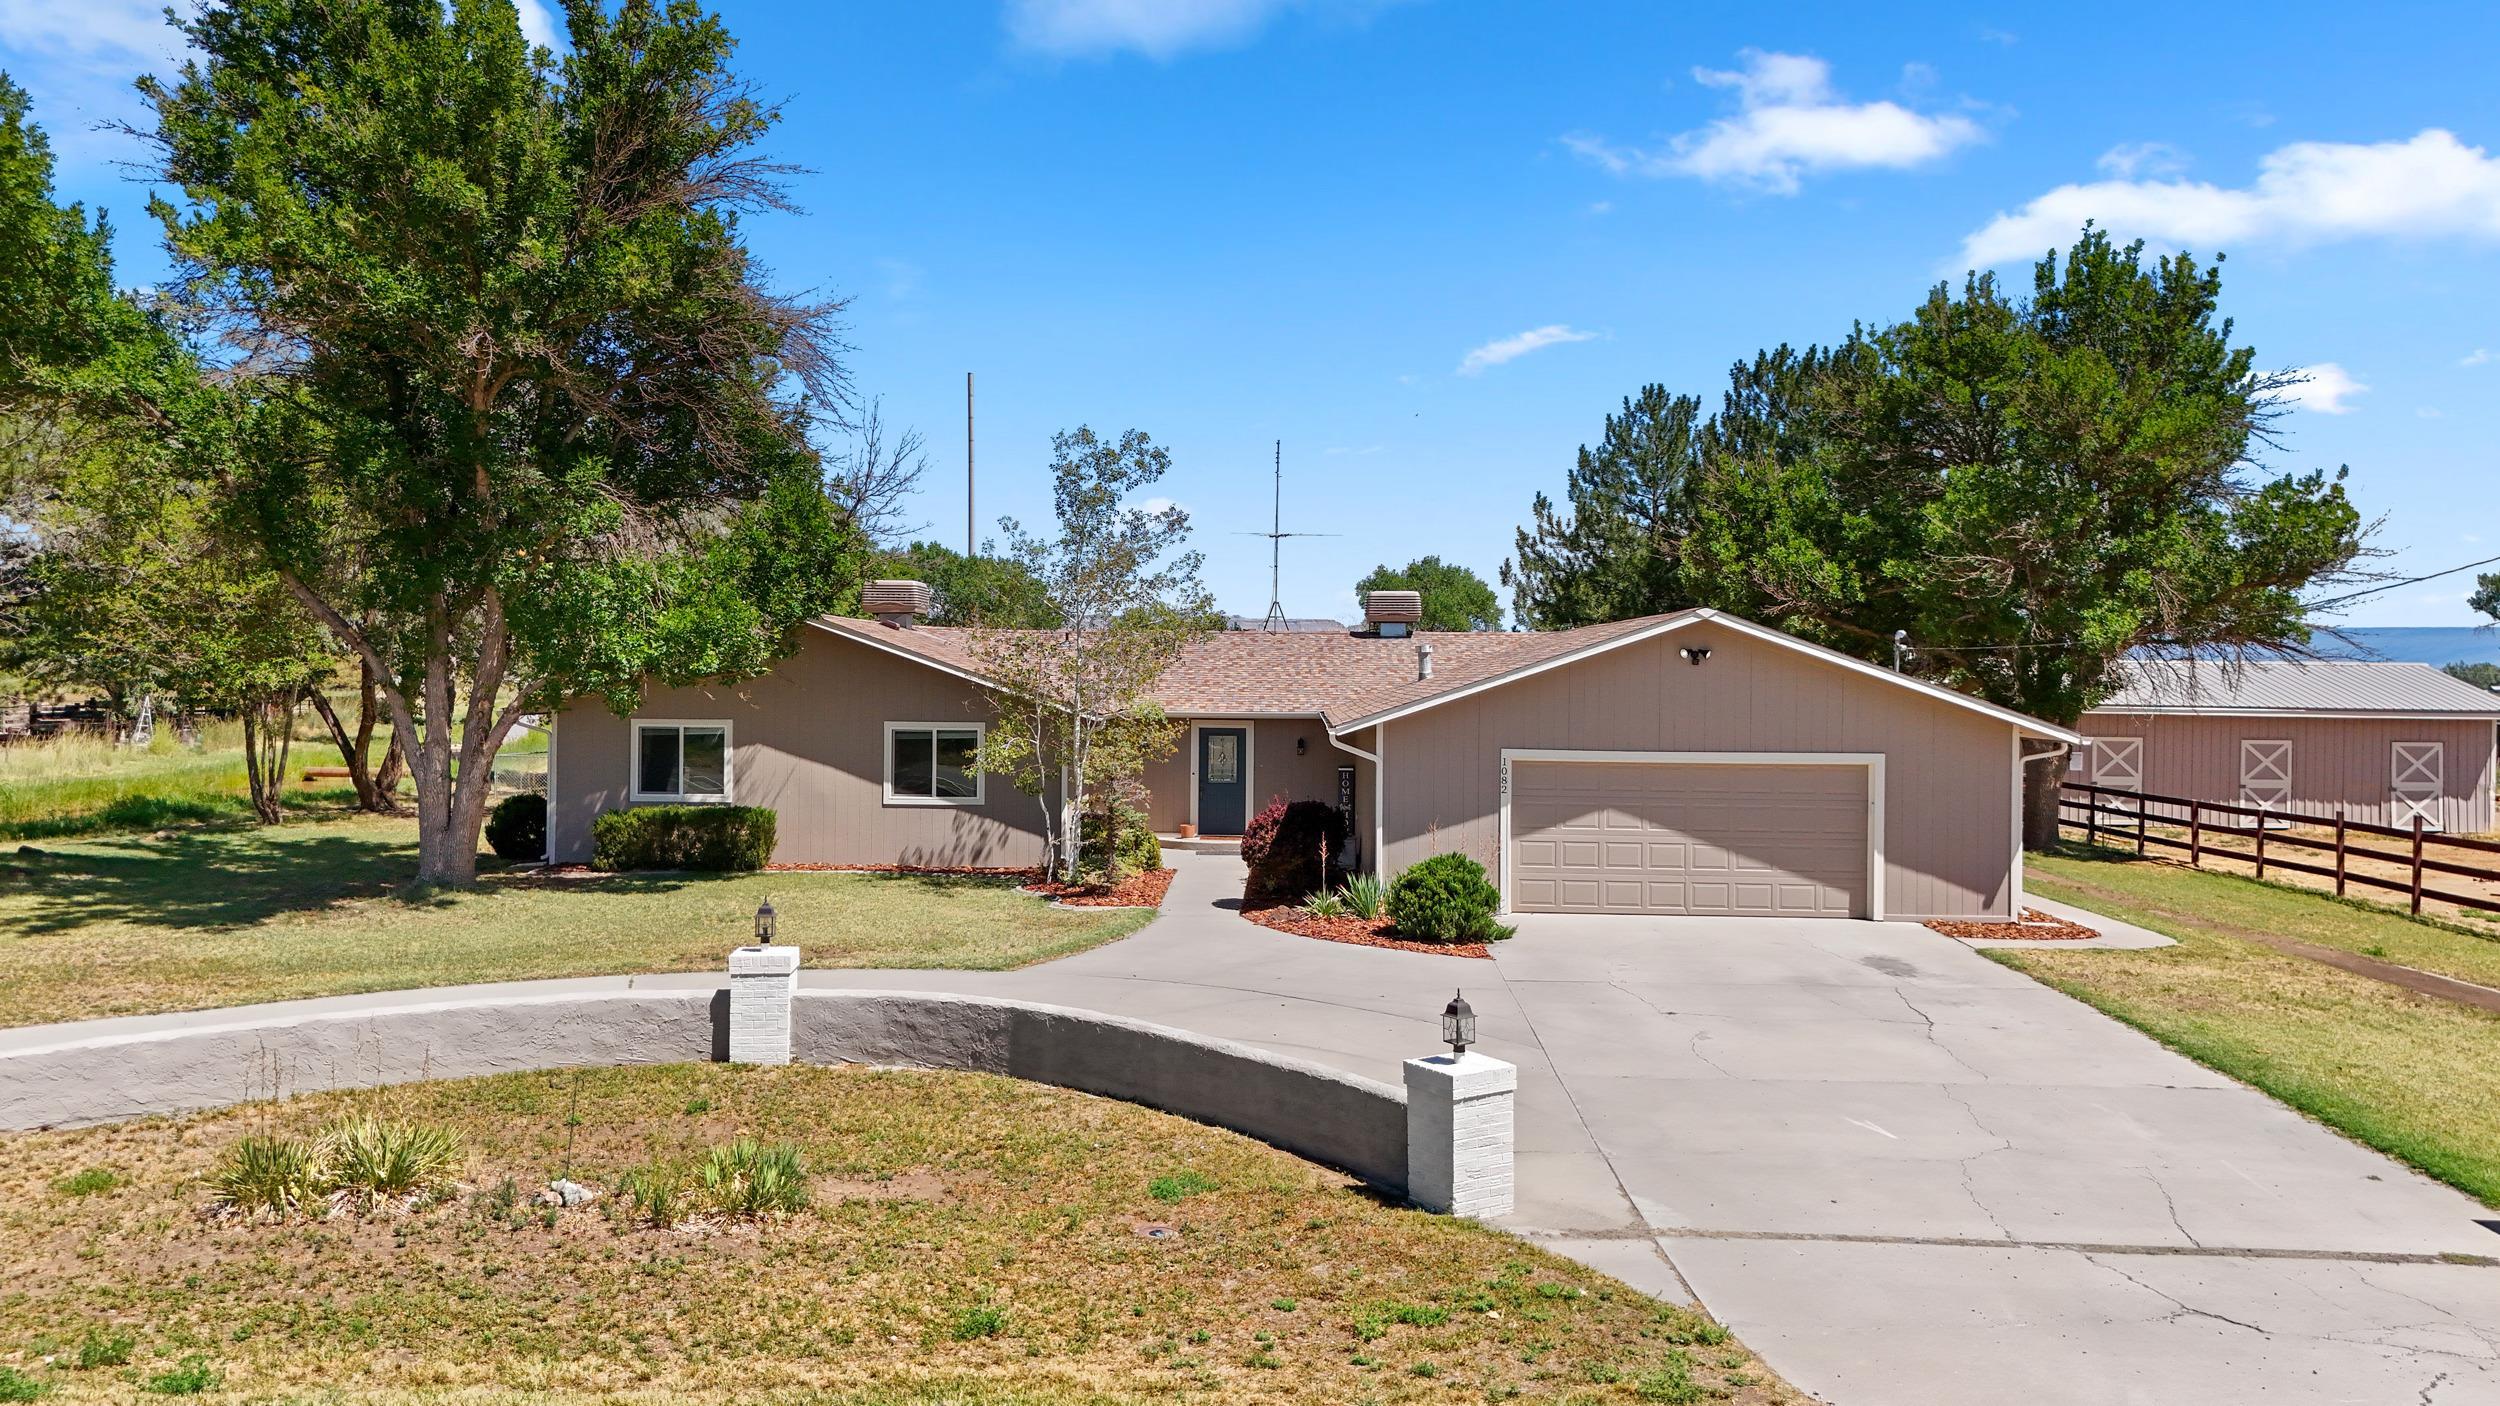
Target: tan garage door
{"points": [[1648, 837]]}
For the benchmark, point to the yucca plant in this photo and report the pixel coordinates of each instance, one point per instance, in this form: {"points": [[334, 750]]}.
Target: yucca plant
{"points": [[653, 1195], [1324, 905], [1363, 895], [748, 1178], [375, 1160], [279, 1175]]}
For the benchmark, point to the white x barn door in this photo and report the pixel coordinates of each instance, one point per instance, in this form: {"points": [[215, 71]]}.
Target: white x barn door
{"points": [[2265, 774], [2118, 763], [2419, 773]]}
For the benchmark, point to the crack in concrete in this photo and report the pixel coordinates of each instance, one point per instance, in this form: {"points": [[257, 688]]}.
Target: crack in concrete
{"points": [[2425, 1397], [2181, 1307], [2171, 1203], [1929, 1022], [2473, 1329], [1970, 1184]]}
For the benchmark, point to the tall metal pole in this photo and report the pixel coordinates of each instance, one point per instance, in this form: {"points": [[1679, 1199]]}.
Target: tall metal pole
{"points": [[967, 463]]}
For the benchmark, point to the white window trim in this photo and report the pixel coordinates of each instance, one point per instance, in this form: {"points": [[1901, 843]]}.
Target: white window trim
{"points": [[1871, 762], [728, 764], [980, 780], [1249, 764]]}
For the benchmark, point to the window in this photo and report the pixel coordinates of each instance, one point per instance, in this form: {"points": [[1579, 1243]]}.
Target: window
{"points": [[930, 764], [681, 761]]}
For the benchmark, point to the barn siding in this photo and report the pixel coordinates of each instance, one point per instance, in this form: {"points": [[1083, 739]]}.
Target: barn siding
{"points": [[1949, 800], [2335, 761]]}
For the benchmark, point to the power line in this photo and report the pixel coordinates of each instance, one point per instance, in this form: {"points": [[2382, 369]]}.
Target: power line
{"points": [[2386, 586]]}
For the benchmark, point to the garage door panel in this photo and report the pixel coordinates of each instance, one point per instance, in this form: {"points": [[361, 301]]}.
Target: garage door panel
{"points": [[1768, 840]]}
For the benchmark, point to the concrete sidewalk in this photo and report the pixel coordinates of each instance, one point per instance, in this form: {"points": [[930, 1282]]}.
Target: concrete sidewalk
{"points": [[1901, 1172]]}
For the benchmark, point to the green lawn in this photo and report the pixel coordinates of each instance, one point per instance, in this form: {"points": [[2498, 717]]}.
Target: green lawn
{"points": [[968, 1241], [2413, 1076], [80, 784], [220, 916]]}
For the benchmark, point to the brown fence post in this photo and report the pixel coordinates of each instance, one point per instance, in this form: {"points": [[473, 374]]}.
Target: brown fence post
{"points": [[2196, 835], [2261, 843], [2092, 816], [2143, 822], [2417, 864], [2339, 851]]}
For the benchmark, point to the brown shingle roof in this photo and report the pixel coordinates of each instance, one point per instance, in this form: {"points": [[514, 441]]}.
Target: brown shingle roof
{"points": [[1349, 679], [1339, 676]]}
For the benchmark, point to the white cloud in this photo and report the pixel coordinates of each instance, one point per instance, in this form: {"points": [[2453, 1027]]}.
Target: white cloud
{"points": [[2307, 192], [100, 29], [1505, 349], [1155, 506], [1601, 207], [2427, 412], [539, 24], [1788, 122], [1158, 29], [2128, 160], [2326, 389], [2475, 357]]}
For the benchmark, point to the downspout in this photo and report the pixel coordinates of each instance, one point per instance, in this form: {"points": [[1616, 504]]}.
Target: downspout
{"points": [[1380, 788]]}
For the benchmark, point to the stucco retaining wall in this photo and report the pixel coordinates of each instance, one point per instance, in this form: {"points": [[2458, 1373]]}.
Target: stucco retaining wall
{"points": [[1356, 1124]]}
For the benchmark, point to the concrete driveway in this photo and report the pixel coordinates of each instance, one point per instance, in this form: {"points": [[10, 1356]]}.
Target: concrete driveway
{"points": [[1906, 1174]]}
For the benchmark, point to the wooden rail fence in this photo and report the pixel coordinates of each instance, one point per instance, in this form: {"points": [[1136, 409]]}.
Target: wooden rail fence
{"points": [[2127, 818]]}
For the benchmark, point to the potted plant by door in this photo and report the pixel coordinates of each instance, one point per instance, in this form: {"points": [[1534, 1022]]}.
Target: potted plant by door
{"points": [[1189, 830]]}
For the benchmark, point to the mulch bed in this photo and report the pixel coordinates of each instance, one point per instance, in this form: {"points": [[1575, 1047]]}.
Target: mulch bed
{"points": [[1144, 890], [1361, 932], [2035, 926]]}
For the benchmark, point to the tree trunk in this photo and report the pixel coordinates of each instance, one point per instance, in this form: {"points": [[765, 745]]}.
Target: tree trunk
{"points": [[268, 731], [2042, 775], [376, 790]]}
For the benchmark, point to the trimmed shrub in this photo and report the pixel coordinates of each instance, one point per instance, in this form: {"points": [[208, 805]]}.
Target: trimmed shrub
{"points": [[723, 838], [517, 828], [1117, 843], [1446, 898], [1282, 846]]}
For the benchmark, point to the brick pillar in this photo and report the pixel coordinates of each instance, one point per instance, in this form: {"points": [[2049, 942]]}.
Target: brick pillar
{"points": [[1458, 1134], [763, 982]]}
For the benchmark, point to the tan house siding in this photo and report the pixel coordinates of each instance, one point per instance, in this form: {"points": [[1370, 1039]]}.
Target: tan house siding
{"points": [[1948, 800], [1276, 769], [807, 740], [2345, 762]]}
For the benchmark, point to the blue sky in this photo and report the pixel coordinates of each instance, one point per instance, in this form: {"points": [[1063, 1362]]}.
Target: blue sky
{"points": [[1430, 244]]}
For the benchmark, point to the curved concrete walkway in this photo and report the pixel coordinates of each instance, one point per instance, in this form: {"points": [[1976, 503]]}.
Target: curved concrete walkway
{"points": [[1901, 1172]]}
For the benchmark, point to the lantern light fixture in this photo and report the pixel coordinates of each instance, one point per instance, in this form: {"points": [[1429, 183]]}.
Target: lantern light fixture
{"points": [[1458, 1023], [767, 923]]}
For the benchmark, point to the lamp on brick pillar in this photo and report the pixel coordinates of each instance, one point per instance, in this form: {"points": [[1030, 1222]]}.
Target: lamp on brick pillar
{"points": [[1459, 1123], [767, 923], [763, 987]]}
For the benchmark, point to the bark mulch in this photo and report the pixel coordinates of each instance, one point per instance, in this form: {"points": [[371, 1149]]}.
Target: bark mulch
{"points": [[1362, 932], [958, 870], [2035, 926], [1144, 890]]}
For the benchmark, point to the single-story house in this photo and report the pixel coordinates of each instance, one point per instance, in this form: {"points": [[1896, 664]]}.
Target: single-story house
{"points": [[1691, 763], [2381, 743]]}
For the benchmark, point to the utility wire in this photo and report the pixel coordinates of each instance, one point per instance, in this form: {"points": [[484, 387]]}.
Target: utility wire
{"points": [[2385, 586]]}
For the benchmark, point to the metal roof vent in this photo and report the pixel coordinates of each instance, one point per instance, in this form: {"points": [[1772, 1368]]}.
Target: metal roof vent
{"points": [[1393, 614], [1423, 661], [897, 603]]}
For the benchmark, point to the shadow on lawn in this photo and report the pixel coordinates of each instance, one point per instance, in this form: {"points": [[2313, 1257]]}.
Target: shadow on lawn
{"points": [[229, 877]]}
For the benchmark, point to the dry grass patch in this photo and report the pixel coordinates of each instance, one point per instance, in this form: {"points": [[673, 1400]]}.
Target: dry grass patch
{"points": [[222, 917], [2414, 1076], [965, 1239]]}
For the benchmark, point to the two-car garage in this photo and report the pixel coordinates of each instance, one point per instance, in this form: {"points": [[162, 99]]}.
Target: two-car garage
{"points": [[1738, 835]]}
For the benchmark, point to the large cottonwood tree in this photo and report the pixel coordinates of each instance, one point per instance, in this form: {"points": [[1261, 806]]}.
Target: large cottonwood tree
{"points": [[538, 426]]}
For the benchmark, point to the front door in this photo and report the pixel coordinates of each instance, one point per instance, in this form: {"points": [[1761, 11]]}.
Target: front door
{"points": [[1223, 780]]}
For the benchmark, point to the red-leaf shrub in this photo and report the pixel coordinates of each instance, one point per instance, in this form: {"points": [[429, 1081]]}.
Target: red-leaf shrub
{"points": [[1283, 847]]}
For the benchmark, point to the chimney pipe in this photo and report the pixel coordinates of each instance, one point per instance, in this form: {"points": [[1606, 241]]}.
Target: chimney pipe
{"points": [[1423, 662]]}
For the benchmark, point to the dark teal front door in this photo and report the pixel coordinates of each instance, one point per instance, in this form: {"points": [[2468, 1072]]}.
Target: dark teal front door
{"points": [[1223, 780]]}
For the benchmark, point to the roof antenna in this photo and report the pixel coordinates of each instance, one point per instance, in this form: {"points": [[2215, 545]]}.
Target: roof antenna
{"points": [[1276, 535]]}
